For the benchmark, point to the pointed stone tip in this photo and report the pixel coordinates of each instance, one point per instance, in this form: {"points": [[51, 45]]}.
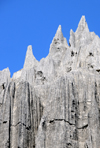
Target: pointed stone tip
{"points": [[71, 31], [29, 47], [59, 34], [59, 27], [29, 50], [82, 24], [30, 60], [59, 30], [82, 20]]}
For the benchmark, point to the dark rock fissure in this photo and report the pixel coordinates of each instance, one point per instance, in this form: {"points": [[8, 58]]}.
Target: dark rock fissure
{"points": [[28, 128], [4, 122], [51, 121], [83, 127]]}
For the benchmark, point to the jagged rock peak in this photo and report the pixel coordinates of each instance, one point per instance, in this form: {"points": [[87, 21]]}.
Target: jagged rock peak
{"points": [[29, 51], [30, 60], [4, 76], [82, 24], [58, 41], [82, 35], [59, 34]]}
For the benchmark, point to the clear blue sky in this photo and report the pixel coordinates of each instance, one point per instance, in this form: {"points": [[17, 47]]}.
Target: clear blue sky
{"points": [[34, 22]]}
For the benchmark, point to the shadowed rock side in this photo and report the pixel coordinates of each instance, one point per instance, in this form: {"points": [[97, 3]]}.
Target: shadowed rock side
{"points": [[54, 103]]}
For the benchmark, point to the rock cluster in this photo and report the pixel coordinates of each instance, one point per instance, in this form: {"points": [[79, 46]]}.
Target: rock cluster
{"points": [[54, 103]]}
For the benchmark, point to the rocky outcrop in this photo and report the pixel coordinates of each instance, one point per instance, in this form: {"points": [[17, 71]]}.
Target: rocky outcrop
{"points": [[54, 103]]}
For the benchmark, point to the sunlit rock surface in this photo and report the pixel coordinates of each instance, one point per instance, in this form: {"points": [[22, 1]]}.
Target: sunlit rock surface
{"points": [[54, 103]]}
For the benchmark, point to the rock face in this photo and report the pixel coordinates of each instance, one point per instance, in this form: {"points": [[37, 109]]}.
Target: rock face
{"points": [[54, 103]]}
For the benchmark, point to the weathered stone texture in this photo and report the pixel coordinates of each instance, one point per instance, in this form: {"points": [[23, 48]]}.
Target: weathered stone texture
{"points": [[54, 103]]}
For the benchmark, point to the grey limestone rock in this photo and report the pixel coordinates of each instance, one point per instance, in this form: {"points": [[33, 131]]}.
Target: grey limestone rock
{"points": [[54, 103]]}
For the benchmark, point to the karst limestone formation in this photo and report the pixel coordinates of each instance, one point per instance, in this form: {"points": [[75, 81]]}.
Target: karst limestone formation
{"points": [[54, 103]]}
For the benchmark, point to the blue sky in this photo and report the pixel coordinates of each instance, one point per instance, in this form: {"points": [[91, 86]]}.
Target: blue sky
{"points": [[34, 22]]}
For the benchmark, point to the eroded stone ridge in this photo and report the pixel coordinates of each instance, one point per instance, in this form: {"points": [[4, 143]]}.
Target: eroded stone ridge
{"points": [[54, 103]]}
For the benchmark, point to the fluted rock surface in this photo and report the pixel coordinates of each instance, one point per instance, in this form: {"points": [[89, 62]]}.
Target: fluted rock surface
{"points": [[54, 103]]}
